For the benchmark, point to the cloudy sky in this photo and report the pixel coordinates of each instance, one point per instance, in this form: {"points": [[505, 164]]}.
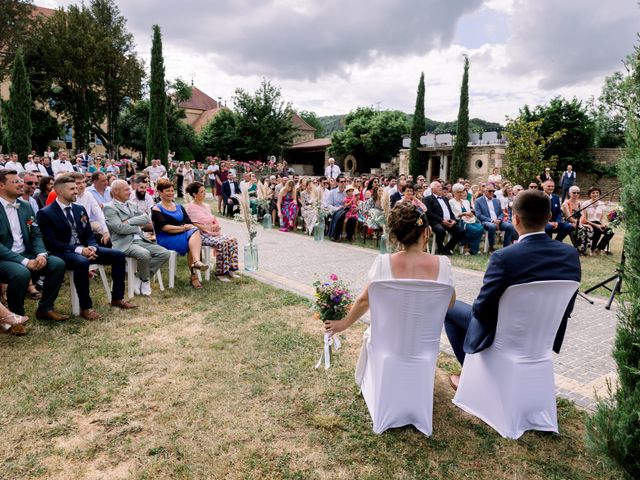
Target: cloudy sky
{"points": [[331, 56]]}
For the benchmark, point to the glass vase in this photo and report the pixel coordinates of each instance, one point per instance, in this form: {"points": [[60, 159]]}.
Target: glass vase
{"points": [[384, 243], [267, 222], [318, 232], [251, 257]]}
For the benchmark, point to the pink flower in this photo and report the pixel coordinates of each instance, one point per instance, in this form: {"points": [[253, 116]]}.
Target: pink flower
{"points": [[333, 277]]}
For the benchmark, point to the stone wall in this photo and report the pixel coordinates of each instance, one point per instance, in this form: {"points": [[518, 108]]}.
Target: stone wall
{"points": [[482, 160]]}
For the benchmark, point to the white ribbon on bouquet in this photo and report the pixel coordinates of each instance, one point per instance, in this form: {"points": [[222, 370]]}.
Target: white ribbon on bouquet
{"points": [[326, 351]]}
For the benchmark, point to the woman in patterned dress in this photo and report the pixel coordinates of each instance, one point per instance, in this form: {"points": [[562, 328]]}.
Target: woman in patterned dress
{"points": [[287, 207]]}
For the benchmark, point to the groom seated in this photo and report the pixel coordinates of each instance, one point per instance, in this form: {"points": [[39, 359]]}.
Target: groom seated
{"points": [[535, 257]]}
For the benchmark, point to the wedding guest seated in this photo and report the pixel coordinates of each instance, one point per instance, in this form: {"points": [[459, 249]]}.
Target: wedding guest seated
{"points": [[230, 189], [461, 208], [397, 195], [100, 188], [45, 187], [594, 220], [350, 213], [556, 224], [287, 207], [23, 254], [175, 231], [90, 204], [492, 217], [125, 221], [408, 195], [67, 234], [534, 258], [410, 229], [442, 220], [571, 213], [226, 246], [140, 195]]}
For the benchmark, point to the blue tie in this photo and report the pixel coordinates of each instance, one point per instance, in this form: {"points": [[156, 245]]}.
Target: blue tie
{"points": [[69, 215]]}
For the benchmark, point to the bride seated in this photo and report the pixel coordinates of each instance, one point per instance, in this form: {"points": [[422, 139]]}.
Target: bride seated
{"points": [[409, 228]]}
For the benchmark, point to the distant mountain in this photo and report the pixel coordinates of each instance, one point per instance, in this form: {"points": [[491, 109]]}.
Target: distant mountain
{"points": [[333, 123]]}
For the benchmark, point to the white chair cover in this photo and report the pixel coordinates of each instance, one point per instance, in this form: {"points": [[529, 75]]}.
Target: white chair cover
{"points": [[398, 359], [510, 385]]}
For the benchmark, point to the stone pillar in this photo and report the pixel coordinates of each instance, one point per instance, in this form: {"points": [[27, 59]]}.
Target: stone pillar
{"points": [[429, 170]]}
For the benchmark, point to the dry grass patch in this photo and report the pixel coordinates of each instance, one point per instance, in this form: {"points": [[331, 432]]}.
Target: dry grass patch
{"points": [[220, 383]]}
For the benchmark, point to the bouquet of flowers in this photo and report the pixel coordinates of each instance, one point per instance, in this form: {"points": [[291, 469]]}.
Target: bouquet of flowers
{"points": [[333, 301], [615, 218]]}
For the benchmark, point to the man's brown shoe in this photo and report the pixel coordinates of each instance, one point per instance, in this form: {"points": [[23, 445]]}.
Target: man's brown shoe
{"points": [[90, 314], [17, 330], [51, 315], [123, 304]]}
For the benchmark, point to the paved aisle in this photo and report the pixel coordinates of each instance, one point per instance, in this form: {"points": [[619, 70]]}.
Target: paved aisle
{"points": [[294, 262]]}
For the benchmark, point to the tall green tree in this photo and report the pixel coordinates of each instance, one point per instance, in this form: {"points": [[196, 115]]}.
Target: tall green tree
{"points": [[527, 152], [459, 163], [14, 21], [614, 430], [312, 119], [157, 137], [19, 109], [220, 137], [264, 123], [371, 136], [416, 165]]}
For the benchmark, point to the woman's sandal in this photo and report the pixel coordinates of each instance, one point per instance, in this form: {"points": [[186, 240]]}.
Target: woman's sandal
{"points": [[13, 319], [203, 267], [195, 283]]}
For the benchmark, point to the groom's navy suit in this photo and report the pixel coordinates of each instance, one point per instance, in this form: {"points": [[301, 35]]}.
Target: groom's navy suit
{"points": [[535, 258]]}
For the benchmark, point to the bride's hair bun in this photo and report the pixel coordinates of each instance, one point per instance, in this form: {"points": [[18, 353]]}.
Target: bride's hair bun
{"points": [[406, 223]]}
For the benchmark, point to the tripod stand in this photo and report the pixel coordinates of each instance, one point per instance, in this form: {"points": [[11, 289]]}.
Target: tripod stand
{"points": [[617, 286]]}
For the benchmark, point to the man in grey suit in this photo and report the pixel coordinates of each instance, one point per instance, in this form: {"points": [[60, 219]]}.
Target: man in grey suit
{"points": [[125, 221]]}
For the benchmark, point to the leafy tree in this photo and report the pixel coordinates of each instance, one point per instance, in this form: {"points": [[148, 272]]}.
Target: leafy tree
{"points": [[614, 430], [573, 117], [134, 122], [312, 119], [371, 136], [416, 165], [19, 110], [14, 22], [157, 137], [45, 128], [527, 150], [263, 122], [459, 163], [219, 137]]}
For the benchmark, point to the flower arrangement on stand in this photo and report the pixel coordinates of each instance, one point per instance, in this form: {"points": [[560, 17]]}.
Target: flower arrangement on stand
{"points": [[333, 302], [615, 218], [251, 222]]}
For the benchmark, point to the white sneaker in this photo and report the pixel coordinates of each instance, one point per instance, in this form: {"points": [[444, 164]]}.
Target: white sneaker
{"points": [[234, 275], [145, 288], [222, 278], [136, 286]]}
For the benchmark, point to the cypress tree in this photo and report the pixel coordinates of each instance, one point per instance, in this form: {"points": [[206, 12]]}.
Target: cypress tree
{"points": [[614, 430], [416, 166], [19, 109], [459, 164], [157, 137]]}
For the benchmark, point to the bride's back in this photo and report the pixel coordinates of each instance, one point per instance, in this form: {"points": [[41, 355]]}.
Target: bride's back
{"points": [[419, 266]]}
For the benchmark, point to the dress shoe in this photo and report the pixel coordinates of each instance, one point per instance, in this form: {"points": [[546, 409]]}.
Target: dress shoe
{"points": [[51, 315], [145, 288], [17, 330], [90, 314], [123, 304]]}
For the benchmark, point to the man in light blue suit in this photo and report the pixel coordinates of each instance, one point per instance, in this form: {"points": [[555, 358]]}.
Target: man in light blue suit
{"points": [[534, 258], [490, 214]]}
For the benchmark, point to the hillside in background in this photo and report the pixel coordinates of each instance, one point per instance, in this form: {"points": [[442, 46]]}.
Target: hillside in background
{"points": [[333, 123]]}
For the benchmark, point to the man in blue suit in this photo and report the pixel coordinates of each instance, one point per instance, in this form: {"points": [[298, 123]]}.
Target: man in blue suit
{"points": [[534, 258], [490, 214], [67, 233], [555, 224]]}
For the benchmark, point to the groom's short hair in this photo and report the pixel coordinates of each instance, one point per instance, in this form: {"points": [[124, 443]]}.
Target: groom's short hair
{"points": [[534, 209]]}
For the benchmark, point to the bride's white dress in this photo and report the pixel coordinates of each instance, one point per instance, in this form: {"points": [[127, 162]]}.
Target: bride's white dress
{"points": [[381, 270]]}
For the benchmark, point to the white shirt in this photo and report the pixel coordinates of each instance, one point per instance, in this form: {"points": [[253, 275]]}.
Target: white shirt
{"points": [[332, 171], [101, 198], [31, 167], [11, 165], [90, 204], [445, 209], [32, 202], [156, 172], [59, 166], [211, 171], [16, 231], [492, 211], [144, 205]]}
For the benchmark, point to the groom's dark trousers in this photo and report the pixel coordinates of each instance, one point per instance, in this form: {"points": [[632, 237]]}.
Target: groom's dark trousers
{"points": [[535, 258]]}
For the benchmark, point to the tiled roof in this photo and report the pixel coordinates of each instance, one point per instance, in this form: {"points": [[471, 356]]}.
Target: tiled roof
{"points": [[300, 124], [47, 12], [199, 101], [205, 118], [315, 143]]}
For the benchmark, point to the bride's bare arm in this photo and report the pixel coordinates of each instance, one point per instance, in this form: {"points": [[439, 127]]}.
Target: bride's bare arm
{"points": [[360, 307]]}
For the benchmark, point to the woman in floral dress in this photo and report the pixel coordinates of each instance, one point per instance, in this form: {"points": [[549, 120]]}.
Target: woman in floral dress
{"points": [[309, 207], [287, 207]]}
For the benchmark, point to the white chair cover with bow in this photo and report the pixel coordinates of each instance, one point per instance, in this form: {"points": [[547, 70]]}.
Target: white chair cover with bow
{"points": [[396, 369], [510, 385]]}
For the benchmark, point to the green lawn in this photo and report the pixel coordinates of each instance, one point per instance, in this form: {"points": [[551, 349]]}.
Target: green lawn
{"points": [[219, 383]]}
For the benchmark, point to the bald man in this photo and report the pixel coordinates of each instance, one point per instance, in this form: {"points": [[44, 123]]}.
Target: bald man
{"points": [[125, 221]]}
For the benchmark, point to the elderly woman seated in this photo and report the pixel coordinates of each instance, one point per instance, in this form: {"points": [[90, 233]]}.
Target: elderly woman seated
{"points": [[174, 230], [467, 220], [226, 246]]}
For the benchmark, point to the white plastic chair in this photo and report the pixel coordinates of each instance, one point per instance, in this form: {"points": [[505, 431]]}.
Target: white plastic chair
{"points": [[510, 385], [398, 358], [75, 301], [132, 268]]}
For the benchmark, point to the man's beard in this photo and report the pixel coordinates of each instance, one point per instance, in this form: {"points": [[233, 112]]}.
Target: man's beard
{"points": [[141, 195]]}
